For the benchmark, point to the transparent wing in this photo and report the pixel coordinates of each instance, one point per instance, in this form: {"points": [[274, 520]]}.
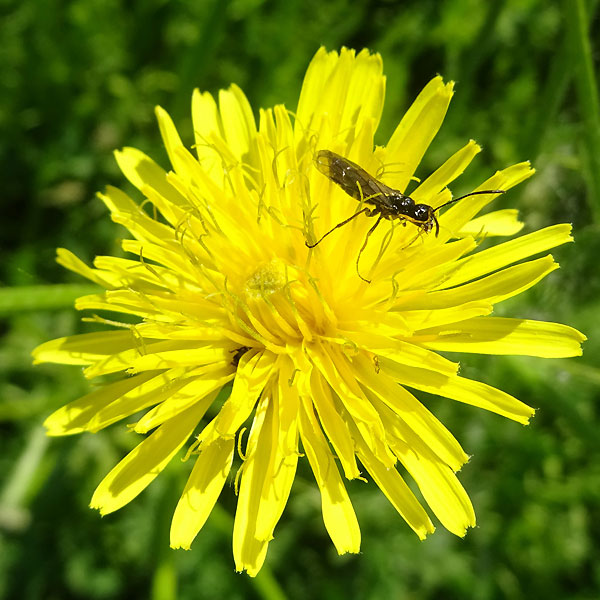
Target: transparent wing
{"points": [[354, 180]]}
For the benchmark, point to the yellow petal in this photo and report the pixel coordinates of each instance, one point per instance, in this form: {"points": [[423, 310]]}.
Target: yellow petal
{"points": [[338, 374], [317, 72], [333, 424], [493, 288], [158, 355], [201, 492], [83, 349], [141, 466], [169, 258], [151, 391], [166, 308], [68, 260], [499, 335], [456, 217], [415, 132], [249, 551], [425, 269], [448, 172], [207, 127], [152, 180], [76, 416], [253, 373], [119, 203], [338, 515], [397, 492], [238, 122], [408, 353], [140, 169], [342, 92], [421, 319], [201, 391], [131, 273], [283, 460], [498, 222], [458, 388], [442, 491], [415, 417], [504, 254], [171, 138], [125, 212], [436, 480]]}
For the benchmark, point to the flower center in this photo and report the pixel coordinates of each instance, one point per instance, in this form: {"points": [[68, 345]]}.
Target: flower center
{"points": [[266, 279]]}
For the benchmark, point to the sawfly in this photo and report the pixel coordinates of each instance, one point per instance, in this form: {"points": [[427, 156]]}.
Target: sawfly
{"points": [[383, 202]]}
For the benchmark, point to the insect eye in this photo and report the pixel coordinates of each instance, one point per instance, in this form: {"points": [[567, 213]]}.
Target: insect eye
{"points": [[421, 212]]}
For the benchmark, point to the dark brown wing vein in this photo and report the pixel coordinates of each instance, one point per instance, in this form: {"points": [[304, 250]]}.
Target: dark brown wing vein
{"points": [[349, 176]]}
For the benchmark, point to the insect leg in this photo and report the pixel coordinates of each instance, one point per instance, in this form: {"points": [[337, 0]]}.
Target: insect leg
{"points": [[360, 212], [419, 233], [365, 245]]}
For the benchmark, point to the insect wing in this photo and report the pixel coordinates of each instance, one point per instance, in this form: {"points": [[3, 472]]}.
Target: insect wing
{"points": [[350, 177]]}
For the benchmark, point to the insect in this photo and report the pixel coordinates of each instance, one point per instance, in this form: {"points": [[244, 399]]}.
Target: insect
{"points": [[237, 355], [385, 202]]}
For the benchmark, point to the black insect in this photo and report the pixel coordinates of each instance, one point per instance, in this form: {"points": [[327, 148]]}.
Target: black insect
{"points": [[237, 355], [384, 201]]}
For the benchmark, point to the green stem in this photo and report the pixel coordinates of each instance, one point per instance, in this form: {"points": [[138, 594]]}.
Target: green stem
{"points": [[41, 297], [587, 93], [265, 583], [20, 480], [164, 577], [551, 99]]}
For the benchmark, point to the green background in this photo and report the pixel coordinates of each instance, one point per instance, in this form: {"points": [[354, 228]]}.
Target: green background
{"points": [[81, 78]]}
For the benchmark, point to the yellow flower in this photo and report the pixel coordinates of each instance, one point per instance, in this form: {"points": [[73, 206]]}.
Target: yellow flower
{"points": [[223, 291]]}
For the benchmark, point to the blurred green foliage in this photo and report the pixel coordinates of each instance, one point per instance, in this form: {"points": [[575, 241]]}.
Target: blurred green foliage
{"points": [[81, 78]]}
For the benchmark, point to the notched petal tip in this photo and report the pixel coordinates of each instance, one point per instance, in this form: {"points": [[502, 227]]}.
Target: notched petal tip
{"points": [[527, 420], [95, 504]]}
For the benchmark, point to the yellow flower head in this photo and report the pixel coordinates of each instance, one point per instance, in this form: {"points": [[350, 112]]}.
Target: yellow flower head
{"points": [[223, 290]]}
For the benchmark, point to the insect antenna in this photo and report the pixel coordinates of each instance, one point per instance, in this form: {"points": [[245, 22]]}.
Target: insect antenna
{"points": [[467, 195], [360, 212]]}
